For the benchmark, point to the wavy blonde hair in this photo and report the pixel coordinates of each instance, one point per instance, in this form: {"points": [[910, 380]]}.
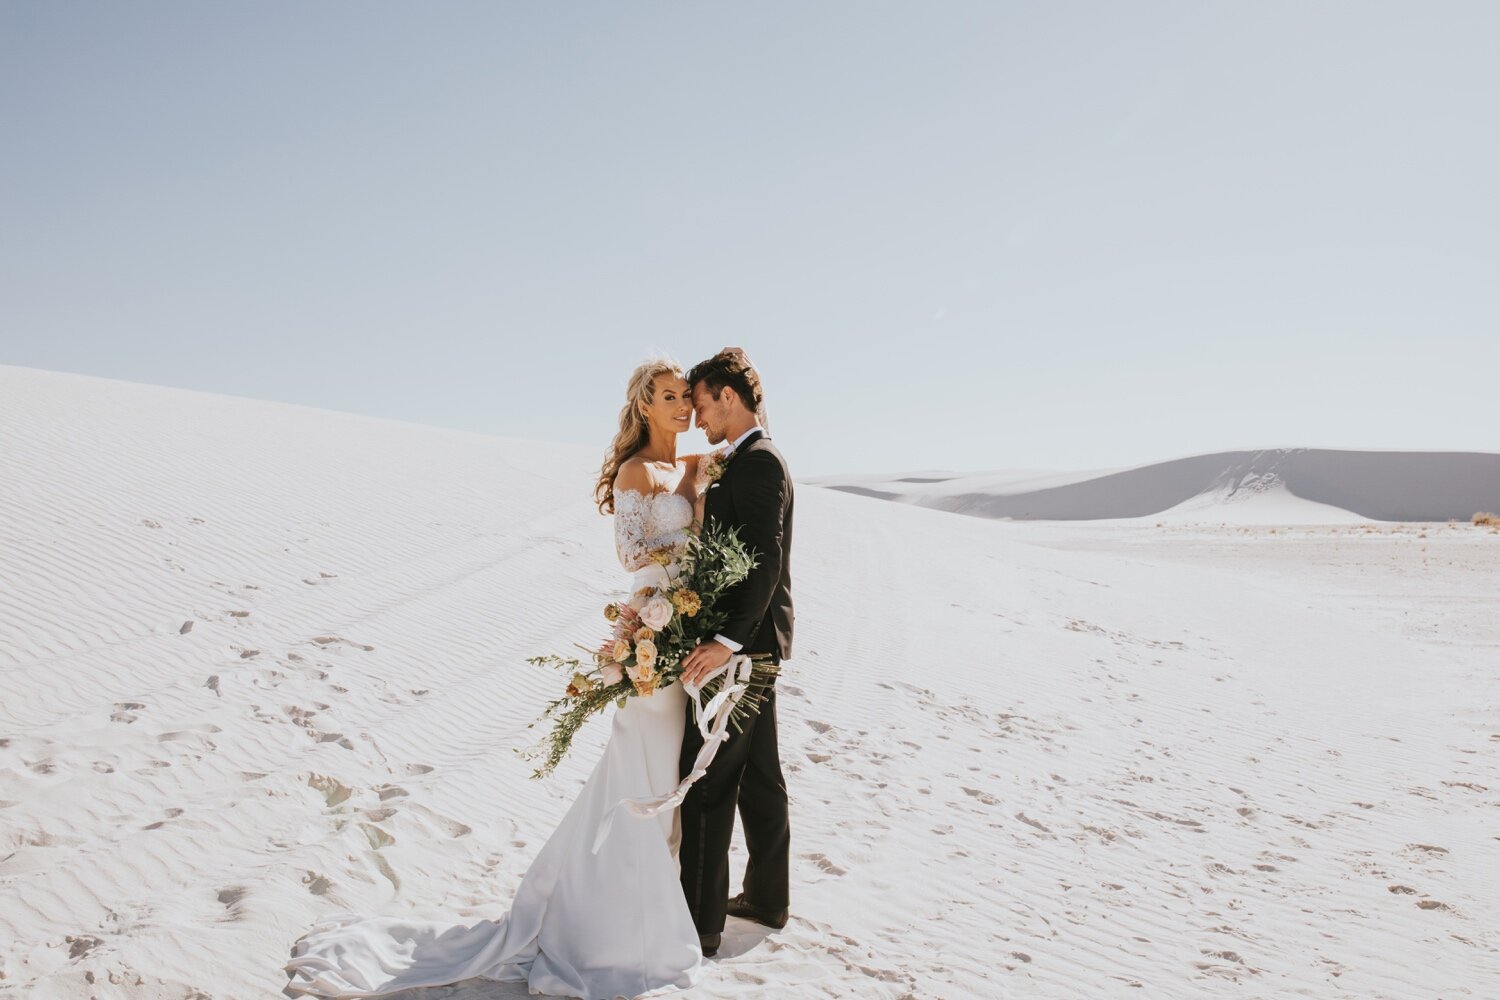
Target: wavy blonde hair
{"points": [[634, 431]]}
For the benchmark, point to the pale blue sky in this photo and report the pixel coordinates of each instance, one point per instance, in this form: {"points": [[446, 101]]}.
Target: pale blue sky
{"points": [[953, 235]]}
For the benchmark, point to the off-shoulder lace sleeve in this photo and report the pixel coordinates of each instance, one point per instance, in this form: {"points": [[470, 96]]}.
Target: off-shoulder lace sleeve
{"points": [[634, 543]]}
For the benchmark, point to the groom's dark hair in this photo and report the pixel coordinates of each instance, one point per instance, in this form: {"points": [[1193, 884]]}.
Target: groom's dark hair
{"points": [[730, 367]]}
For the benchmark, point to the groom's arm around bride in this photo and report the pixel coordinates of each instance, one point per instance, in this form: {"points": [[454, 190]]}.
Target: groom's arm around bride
{"points": [[754, 495]]}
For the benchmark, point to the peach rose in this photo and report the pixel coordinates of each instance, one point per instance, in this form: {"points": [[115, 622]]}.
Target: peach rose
{"points": [[643, 633], [645, 653], [613, 674], [644, 678], [622, 649], [657, 612]]}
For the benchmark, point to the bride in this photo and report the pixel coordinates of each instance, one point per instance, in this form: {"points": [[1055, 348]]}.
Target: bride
{"points": [[592, 924]]}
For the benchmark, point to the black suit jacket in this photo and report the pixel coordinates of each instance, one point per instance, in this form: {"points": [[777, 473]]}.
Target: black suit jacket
{"points": [[755, 495]]}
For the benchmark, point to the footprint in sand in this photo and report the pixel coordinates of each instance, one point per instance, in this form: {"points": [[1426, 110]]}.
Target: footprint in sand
{"points": [[171, 814], [982, 796], [230, 898], [377, 837], [1031, 822], [80, 945], [328, 640], [125, 711], [317, 884], [334, 791], [1428, 849], [828, 866]]}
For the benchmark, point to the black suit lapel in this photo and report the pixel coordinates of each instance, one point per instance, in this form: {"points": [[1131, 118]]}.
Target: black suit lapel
{"points": [[744, 446], [719, 507]]}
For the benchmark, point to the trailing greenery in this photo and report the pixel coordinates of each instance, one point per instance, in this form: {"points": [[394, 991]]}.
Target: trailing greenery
{"points": [[637, 659]]}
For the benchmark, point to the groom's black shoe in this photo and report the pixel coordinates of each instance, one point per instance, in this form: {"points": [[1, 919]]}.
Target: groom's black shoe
{"points": [[709, 943], [741, 907]]}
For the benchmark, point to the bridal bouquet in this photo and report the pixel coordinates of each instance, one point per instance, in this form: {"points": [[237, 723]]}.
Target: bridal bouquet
{"points": [[652, 633]]}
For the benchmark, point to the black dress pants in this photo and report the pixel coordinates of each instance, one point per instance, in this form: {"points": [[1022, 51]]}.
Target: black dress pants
{"points": [[746, 772]]}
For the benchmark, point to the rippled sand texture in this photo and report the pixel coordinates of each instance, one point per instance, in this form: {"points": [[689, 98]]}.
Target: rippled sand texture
{"points": [[262, 663]]}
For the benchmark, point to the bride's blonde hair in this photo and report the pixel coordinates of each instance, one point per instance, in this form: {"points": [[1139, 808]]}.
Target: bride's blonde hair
{"points": [[634, 431]]}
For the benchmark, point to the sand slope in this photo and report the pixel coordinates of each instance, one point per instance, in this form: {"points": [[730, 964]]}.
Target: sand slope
{"points": [[1287, 485], [1025, 760]]}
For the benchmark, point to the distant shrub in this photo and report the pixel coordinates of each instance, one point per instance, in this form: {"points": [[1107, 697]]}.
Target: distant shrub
{"points": [[1492, 520]]}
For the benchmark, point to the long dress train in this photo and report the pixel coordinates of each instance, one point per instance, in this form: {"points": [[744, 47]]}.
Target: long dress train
{"points": [[595, 925]]}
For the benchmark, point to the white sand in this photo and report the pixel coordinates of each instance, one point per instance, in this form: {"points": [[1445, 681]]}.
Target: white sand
{"points": [[1026, 760]]}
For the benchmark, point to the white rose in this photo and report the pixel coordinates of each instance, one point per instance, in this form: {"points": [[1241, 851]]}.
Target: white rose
{"points": [[657, 612]]}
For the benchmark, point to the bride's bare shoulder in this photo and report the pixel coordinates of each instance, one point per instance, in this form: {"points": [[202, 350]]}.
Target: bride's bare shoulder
{"points": [[634, 476]]}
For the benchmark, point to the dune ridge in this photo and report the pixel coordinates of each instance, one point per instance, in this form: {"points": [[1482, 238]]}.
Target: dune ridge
{"points": [[1377, 485]]}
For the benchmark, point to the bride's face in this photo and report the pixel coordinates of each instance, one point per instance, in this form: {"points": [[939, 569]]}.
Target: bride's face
{"points": [[670, 409]]}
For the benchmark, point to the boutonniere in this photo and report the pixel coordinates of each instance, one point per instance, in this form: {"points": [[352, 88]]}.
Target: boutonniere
{"points": [[714, 465]]}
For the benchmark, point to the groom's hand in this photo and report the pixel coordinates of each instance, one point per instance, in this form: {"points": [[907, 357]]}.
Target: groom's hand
{"points": [[705, 658]]}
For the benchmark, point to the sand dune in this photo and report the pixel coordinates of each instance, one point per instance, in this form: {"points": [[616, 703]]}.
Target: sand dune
{"points": [[1286, 485], [262, 663]]}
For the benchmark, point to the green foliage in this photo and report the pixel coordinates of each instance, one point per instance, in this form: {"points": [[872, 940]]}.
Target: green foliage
{"points": [[710, 566]]}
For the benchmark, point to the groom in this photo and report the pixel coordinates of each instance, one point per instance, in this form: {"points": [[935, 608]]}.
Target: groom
{"points": [[754, 494]]}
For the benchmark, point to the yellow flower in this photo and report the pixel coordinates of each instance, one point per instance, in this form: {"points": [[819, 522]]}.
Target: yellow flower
{"points": [[687, 602], [622, 649], [611, 612], [643, 633], [645, 653], [662, 557], [581, 685]]}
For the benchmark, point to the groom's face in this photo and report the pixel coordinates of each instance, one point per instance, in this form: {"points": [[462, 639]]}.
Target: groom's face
{"points": [[711, 414]]}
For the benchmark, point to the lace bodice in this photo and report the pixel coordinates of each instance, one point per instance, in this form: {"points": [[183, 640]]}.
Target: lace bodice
{"points": [[647, 523]]}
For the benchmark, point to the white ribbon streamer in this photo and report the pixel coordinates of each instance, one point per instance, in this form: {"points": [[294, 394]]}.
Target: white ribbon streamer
{"points": [[713, 723]]}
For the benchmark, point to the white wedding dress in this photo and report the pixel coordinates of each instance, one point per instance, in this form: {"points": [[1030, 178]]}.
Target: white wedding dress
{"points": [[596, 925]]}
